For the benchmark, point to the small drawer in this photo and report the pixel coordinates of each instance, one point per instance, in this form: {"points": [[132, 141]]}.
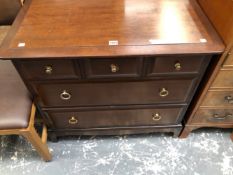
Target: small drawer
{"points": [[224, 79], [216, 116], [218, 98], [113, 67], [49, 69], [114, 93], [115, 118], [175, 65]]}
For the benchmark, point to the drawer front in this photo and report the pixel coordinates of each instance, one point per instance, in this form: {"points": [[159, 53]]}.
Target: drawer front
{"points": [[49, 69], [114, 93], [224, 79], [213, 116], [175, 65], [115, 118], [218, 98], [113, 67]]}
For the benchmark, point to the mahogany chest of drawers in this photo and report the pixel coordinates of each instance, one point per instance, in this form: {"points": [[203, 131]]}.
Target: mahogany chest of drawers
{"points": [[91, 75]]}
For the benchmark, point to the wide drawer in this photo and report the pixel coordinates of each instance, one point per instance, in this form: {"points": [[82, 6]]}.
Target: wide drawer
{"points": [[217, 116], [224, 79], [49, 69], [219, 98], [113, 67], [114, 93], [175, 64], [115, 118]]}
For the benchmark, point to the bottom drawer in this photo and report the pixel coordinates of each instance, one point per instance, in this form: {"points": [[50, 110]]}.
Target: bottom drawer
{"points": [[115, 118], [218, 116]]}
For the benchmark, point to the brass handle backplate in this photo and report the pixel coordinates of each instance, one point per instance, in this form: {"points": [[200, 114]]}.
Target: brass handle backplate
{"points": [[177, 66], [73, 120], [156, 117], [65, 95], [164, 92], [114, 68], [229, 99], [48, 69], [218, 117]]}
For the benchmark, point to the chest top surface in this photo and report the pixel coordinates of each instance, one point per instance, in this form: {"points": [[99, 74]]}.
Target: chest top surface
{"points": [[61, 28]]}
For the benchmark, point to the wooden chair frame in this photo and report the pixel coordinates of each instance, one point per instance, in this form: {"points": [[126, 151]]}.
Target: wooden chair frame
{"points": [[32, 136]]}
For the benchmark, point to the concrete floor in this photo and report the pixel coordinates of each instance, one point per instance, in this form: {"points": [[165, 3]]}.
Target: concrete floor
{"points": [[204, 152]]}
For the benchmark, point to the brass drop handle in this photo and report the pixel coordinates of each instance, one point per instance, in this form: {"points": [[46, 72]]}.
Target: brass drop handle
{"points": [[217, 117], [73, 120], [229, 99], [48, 70], [156, 117], [177, 66], [163, 92], [65, 95], [114, 68]]}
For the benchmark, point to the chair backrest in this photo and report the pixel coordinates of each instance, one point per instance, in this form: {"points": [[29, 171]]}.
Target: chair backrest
{"points": [[8, 11]]}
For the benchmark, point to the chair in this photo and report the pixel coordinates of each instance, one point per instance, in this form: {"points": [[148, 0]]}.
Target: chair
{"points": [[9, 10], [17, 112]]}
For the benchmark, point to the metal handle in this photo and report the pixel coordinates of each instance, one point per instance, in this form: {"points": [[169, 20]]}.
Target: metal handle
{"points": [[164, 92], [73, 120], [156, 117], [48, 69], [65, 95], [177, 66], [229, 99], [217, 117], [114, 68]]}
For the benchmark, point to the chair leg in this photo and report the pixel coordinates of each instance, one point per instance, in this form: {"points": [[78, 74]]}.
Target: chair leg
{"points": [[42, 148]]}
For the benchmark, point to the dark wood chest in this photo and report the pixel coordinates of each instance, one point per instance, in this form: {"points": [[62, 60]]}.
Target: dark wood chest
{"points": [[112, 68]]}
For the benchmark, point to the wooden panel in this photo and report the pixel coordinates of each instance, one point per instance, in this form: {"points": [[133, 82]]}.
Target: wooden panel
{"points": [[224, 79], [49, 69], [110, 28], [220, 14], [213, 116], [3, 32], [115, 118], [222, 98], [115, 93], [177, 64], [113, 67]]}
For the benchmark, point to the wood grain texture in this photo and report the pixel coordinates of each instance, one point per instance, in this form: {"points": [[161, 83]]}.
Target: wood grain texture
{"points": [[220, 12], [84, 28]]}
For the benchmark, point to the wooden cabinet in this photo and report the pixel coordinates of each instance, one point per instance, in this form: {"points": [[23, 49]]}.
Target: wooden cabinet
{"points": [[214, 106], [105, 69]]}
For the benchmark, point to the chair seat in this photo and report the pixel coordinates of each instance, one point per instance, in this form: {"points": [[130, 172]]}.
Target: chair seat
{"points": [[15, 102]]}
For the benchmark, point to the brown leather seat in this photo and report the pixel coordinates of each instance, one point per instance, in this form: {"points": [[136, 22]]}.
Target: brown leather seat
{"points": [[17, 113], [8, 11], [15, 102]]}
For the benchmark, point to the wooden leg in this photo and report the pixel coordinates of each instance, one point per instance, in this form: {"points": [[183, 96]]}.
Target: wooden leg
{"points": [[185, 132], [32, 136]]}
